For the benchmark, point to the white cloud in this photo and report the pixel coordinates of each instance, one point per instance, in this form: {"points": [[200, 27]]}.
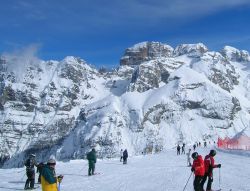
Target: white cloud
{"points": [[19, 59]]}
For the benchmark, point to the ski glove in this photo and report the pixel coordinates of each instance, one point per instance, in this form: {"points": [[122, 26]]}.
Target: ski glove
{"points": [[192, 169], [219, 165], [60, 177]]}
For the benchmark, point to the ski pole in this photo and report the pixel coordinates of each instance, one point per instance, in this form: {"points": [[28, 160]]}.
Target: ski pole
{"points": [[219, 178], [59, 186], [21, 171], [187, 181], [23, 176]]}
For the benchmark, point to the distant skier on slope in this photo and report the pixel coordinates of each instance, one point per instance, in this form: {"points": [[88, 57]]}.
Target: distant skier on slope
{"points": [[30, 164], [194, 146], [121, 155], [91, 156], [183, 149], [209, 166], [205, 144], [178, 149], [199, 170], [49, 179], [189, 157], [125, 156]]}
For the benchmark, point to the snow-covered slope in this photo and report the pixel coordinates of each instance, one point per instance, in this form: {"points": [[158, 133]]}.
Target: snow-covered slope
{"points": [[158, 96], [162, 172]]}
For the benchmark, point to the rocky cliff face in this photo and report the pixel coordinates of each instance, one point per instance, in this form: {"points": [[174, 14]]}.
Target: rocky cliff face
{"points": [[145, 51], [158, 97]]}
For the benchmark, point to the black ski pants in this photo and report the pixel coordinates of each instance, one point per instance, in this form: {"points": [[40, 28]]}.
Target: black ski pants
{"points": [[91, 170], [30, 182], [197, 183], [209, 183], [124, 160]]}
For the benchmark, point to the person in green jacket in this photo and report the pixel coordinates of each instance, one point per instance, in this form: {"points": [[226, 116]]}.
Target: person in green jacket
{"points": [[91, 156], [49, 179]]}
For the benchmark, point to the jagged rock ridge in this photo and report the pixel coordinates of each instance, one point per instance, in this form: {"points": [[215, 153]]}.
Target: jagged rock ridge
{"points": [[157, 97]]}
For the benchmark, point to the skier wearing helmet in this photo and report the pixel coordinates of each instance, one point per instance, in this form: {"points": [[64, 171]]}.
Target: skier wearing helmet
{"points": [[199, 170], [209, 166]]}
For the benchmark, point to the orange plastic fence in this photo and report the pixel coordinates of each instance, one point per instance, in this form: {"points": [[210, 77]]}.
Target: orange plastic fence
{"points": [[238, 143]]}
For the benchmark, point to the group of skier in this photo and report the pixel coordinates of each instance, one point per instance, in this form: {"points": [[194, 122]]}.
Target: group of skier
{"points": [[203, 169], [47, 176], [181, 150]]}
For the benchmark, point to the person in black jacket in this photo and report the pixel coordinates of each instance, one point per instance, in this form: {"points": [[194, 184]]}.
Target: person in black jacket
{"points": [[91, 156], [125, 156], [178, 149], [30, 172], [39, 170]]}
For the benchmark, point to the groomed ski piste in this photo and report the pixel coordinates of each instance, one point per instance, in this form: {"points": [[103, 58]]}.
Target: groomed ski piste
{"points": [[162, 172]]}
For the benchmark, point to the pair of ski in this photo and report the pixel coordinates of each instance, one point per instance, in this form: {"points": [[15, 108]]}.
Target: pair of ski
{"points": [[32, 188], [98, 173]]}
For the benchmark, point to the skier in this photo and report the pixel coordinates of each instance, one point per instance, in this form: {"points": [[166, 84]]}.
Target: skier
{"points": [[49, 179], [183, 149], [91, 156], [209, 166], [121, 155], [199, 170], [39, 170], [125, 156], [194, 146], [178, 149], [30, 172], [205, 144], [189, 157]]}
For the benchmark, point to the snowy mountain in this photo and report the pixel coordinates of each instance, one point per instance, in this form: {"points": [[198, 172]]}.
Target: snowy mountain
{"points": [[158, 96]]}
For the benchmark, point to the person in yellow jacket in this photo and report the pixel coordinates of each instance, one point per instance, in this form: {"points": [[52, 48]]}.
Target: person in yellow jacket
{"points": [[49, 179]]}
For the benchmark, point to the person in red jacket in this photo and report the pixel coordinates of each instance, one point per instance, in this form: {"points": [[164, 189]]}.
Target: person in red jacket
{"points": [[209, 166], [199, 170]]}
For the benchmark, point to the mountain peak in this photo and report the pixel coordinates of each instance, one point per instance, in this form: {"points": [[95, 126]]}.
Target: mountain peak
{"points": [[234, 54], [145, 51], [190, 49]]}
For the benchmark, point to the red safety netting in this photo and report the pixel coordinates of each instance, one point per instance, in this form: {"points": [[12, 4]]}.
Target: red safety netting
{"points": [[239, 142]]}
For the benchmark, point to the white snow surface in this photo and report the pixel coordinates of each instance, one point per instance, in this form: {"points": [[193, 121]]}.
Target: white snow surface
{"points": [[162, 172]]}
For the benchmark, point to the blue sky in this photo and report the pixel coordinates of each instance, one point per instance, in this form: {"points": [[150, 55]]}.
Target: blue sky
{"points": [[100, 30]]}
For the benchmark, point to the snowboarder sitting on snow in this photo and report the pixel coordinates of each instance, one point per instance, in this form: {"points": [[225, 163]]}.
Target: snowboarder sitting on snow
{"points": [[189, 157], [30, 172], [178, 149], [125, 156], [199, 170], [209, 166], [39, 170], [121, 155], [91, 156], [49, 179]]}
